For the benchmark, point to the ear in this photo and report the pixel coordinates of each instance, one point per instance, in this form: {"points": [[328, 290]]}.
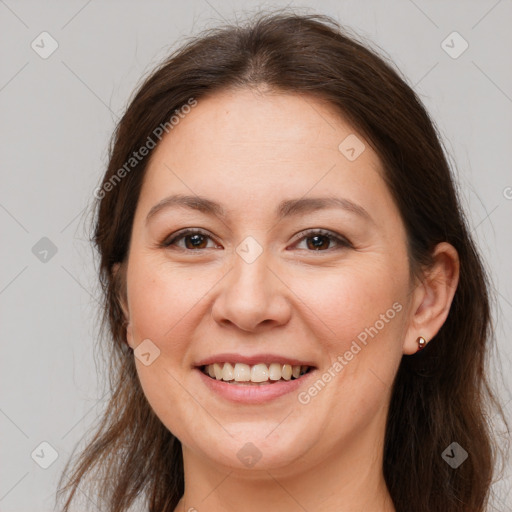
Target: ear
{"points": [[433, 297], [121, 297]]}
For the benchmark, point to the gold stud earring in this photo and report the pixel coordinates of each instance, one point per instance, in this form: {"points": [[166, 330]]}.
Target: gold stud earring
{"points": [[421, 341]]}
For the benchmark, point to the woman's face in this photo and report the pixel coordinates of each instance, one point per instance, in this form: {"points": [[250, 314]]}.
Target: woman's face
{"points": [[259, 285]]}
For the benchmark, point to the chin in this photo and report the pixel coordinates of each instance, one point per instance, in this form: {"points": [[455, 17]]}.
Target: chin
{"points": [[257, 447]]}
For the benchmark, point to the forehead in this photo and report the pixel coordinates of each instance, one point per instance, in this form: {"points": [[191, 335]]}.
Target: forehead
{"points": [[242, 120], [252, 146]]}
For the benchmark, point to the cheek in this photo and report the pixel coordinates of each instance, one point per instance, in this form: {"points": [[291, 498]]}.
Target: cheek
{"points": [[363, 351], [347, 302], [164, 303], [163, 299], [359, 322]]}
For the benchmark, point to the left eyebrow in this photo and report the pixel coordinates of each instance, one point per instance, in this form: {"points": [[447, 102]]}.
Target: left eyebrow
{"points": [[291, 207], [286, 208]]}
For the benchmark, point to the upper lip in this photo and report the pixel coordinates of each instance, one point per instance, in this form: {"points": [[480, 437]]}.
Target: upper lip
{"points": [[252, 359]]}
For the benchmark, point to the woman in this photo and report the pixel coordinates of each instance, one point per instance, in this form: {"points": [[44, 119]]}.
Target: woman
{"points": [[298, 315]]}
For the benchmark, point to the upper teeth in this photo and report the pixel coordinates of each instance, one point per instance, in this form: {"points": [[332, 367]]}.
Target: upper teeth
{"points": [[241, 372]]}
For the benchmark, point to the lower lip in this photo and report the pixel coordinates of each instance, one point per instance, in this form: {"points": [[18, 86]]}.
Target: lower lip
{"points": [[253, 394]]}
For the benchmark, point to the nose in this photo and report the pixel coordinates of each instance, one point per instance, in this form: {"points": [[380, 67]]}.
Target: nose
{"points": [[252, 296]]}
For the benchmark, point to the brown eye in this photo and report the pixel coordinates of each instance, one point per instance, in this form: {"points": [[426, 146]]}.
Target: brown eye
{"points": [[194, 239], [319, 240]]}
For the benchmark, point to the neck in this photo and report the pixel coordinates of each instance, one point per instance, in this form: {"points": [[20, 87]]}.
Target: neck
{"points": [[350, 481]]}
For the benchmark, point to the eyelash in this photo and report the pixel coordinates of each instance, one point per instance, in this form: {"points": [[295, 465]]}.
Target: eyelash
{"points": [[341, 241]]}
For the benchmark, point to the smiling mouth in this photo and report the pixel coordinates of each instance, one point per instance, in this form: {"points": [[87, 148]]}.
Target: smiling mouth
{"points": [[257, 374]]}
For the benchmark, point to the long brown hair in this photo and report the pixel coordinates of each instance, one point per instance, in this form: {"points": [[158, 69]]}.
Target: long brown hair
{"points": [[440, 396]]}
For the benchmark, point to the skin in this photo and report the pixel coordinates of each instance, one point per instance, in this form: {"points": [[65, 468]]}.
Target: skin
{"points": [[249, 150]]}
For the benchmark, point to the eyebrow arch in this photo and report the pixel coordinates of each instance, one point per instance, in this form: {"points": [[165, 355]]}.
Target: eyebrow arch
{"points": [[286, 208]]}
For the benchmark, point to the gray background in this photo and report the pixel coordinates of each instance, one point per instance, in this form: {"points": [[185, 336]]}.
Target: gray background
{"points": [[57, 116]]}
